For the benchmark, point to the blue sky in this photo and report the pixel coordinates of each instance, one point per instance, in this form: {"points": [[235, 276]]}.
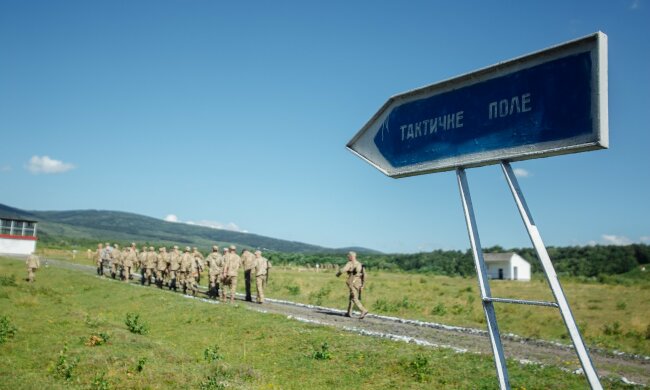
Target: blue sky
{"points": [[236, 114]]}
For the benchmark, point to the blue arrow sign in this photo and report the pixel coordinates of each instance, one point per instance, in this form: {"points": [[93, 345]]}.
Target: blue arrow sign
{"points": [[547, 103]]}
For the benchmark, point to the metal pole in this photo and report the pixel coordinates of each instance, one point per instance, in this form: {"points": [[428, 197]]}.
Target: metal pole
{"points": [[484, 286], [553, 281]]}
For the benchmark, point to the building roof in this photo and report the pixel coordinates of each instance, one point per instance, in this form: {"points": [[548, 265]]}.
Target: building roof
{"points": [[7, 216], [495, 257]]}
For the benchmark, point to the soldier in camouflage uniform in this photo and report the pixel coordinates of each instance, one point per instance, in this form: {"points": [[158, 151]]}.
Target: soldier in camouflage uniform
{"points": [[129, 260], [232, 262], [261, 269], [106, 256], [161, 266], [98, 259], [174, 268], [354, 269], [142, 260], [214, 261], [33, 263], [198, 260], [150, 260], [188, 267], [248, 263], [116, 260]]}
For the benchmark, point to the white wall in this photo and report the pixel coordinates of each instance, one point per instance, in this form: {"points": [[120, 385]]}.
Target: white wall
{"points": [[16, 246]]}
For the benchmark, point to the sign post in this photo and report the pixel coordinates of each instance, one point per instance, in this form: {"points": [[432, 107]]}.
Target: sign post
{"points": [[543, 104]]}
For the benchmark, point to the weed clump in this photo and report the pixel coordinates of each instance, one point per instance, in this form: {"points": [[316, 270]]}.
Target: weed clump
{"points": [[439, 310], [419, 368], [317, 297], [613, 329], [134, 324], [65, 365], [9, 281], [99, 382], [141, 362], [293, 290], [7, 329], [323, 353], [212, 354]]}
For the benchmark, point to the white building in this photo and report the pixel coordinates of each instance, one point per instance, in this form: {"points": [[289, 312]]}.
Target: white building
{"points": [[17, 235], [508, 266]]}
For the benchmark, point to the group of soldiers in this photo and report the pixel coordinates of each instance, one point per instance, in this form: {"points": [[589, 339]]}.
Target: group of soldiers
{"points": [[176, 269]]}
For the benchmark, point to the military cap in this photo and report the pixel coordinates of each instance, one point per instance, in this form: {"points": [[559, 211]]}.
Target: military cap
{"points": [[215, 248], [194, 248], [108, 244], [187, 249], [175, 246], [151, 248], [133, 244], [258, 252], [232, 247]]}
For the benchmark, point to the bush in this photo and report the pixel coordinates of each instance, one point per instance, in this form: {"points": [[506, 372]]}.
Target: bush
{"points": [[613, 329], [212, 354], [419, 368], [65, 365], [8, 280], [134, 325], [7, 330], [317, 297], [439, 310], [323, 353], [293, 290], [99, 382], [141, 363]]}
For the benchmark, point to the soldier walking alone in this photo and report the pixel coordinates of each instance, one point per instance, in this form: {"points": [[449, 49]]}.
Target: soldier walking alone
{"points": [[33, 263], [355, 281]]}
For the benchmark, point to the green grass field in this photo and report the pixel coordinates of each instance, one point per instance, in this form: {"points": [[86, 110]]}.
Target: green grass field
{"points": [[61, 323], [615, 317]]}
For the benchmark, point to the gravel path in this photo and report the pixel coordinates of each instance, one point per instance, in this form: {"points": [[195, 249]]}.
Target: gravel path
{"points": [[629, 368]]}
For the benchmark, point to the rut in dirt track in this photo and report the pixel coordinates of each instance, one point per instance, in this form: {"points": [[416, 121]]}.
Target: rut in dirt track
{"points": [[630, 368]]}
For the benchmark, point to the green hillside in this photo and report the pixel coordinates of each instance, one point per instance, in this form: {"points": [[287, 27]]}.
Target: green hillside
{"points": [[84, 227]]}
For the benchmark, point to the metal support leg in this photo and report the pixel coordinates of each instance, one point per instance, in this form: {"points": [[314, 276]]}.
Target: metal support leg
{"points": [[553, 281], [481, 272]]}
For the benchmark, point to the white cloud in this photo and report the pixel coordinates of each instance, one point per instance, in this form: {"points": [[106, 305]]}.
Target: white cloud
{"points": [[645, 239], [207, 223], [611, 239], [171, 218], [5, 168], [47, 165], [520, 172], [635, 4]]}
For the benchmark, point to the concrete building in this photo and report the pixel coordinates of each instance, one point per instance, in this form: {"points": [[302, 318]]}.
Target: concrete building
{"points": [[17, 235], [507, 266]]}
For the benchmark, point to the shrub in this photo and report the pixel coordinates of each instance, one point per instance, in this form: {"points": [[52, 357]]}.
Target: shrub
{"points": [[141, 363], [7, 330], [212, 354], [134, 325], [317, 297], [99, 382], [323, 353], [439, 310], [420, 368], [65, 365], [613, 329], [293, 290], [8, 280]]}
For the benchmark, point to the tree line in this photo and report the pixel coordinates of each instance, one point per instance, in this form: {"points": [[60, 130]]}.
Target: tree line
{"points": [[585, 261]]}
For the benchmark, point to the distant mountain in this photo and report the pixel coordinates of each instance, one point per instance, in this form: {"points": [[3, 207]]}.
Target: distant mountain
{"points": [[91, 226]]}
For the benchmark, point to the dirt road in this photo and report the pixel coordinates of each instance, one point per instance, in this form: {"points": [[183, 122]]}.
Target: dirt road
{"points": [[626, 367]]}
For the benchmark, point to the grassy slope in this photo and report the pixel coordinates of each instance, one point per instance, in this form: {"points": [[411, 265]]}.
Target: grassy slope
{"points": [[259, 350]]}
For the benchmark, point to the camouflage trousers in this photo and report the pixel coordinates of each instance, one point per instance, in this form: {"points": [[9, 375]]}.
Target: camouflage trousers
{"points": [[260, 281], [30, 274], [229, 281], [354, 299]]}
